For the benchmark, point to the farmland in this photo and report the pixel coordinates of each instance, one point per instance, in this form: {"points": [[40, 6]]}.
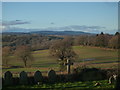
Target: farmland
{"points": [[86, 55]]}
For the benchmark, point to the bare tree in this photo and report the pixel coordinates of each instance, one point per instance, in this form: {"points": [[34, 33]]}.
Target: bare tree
{"points": [[102, 40], [114, 42], [24, 54], [6, 55], [62, 49], [83, 40]]}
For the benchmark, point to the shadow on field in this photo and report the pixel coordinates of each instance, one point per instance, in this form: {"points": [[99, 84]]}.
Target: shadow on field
{"points": [[105, 62], [13, 67]]}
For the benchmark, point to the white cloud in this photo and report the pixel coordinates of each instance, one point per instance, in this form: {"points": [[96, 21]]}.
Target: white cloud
{"points": [[15, 22], [9, 27]]}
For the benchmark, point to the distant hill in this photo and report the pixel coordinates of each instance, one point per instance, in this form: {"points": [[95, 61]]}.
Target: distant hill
{"points": [[60, 32], [52, 33]]}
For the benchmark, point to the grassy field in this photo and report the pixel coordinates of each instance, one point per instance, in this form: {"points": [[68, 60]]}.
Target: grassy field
{"points": [[43, 61], [68, 86], [100, 57]]}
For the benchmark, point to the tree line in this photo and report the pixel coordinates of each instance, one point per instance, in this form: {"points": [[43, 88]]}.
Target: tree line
{"points": [[99, 40], [35, 41]]}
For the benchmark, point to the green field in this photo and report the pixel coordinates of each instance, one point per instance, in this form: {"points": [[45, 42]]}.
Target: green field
{"points": [[43, 61], [104, 85]]}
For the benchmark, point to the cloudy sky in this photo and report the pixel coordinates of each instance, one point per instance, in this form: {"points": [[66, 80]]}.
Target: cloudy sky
{"points": [[92, 17]]}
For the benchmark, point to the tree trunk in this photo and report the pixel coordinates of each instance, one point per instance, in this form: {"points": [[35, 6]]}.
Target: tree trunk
{"points": [[25, 63], [6, 63]]}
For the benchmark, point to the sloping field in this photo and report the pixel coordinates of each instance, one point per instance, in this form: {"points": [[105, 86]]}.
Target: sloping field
{"points": [[89, 56], [96, 57]]}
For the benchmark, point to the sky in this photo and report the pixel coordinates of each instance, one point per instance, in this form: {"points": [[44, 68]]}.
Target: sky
{"points": [[92, 17]]}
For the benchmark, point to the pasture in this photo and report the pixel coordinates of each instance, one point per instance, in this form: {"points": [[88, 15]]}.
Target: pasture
{"points": [[86, 56]]}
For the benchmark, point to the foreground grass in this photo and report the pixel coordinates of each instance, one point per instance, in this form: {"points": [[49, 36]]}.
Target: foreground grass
{"points": [[69, 85]]}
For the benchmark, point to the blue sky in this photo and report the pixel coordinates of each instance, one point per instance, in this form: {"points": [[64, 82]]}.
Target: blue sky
{"points": [[92, 17]]}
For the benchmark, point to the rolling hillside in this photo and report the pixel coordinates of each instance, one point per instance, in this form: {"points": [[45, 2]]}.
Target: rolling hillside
{"points": [[89, 56]]}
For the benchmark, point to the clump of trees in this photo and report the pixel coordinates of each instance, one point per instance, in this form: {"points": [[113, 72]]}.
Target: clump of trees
{"points": [[35, 41], [99, 40], [62, 49], [114, 42]]}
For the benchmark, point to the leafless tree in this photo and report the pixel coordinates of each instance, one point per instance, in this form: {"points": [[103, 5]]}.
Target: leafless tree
{"points": [[24, 54], [6, 55], [62, 49]]}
